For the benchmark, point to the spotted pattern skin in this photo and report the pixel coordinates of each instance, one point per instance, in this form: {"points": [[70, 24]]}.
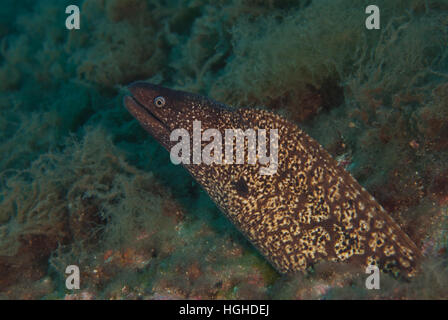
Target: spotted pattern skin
{"points": [[310, 210]]}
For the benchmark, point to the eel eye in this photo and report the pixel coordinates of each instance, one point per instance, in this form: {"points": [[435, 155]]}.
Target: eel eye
{"points": [[159, 101]]}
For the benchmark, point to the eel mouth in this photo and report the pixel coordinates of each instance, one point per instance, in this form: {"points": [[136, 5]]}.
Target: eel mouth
{"points": [[147, 119], [143, 114]]}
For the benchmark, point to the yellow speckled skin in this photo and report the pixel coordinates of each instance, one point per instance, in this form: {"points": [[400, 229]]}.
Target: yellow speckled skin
{"points": [[310, 210]]}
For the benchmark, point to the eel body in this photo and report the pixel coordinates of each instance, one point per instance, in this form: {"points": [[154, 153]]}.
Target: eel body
{"points": [[309, 210]]}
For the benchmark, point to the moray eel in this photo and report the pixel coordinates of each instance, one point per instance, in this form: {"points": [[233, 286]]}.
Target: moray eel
{"points": [[309, 210]]}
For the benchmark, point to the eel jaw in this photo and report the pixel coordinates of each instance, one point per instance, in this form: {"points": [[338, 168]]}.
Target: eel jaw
{"points": [[159, 130]]}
